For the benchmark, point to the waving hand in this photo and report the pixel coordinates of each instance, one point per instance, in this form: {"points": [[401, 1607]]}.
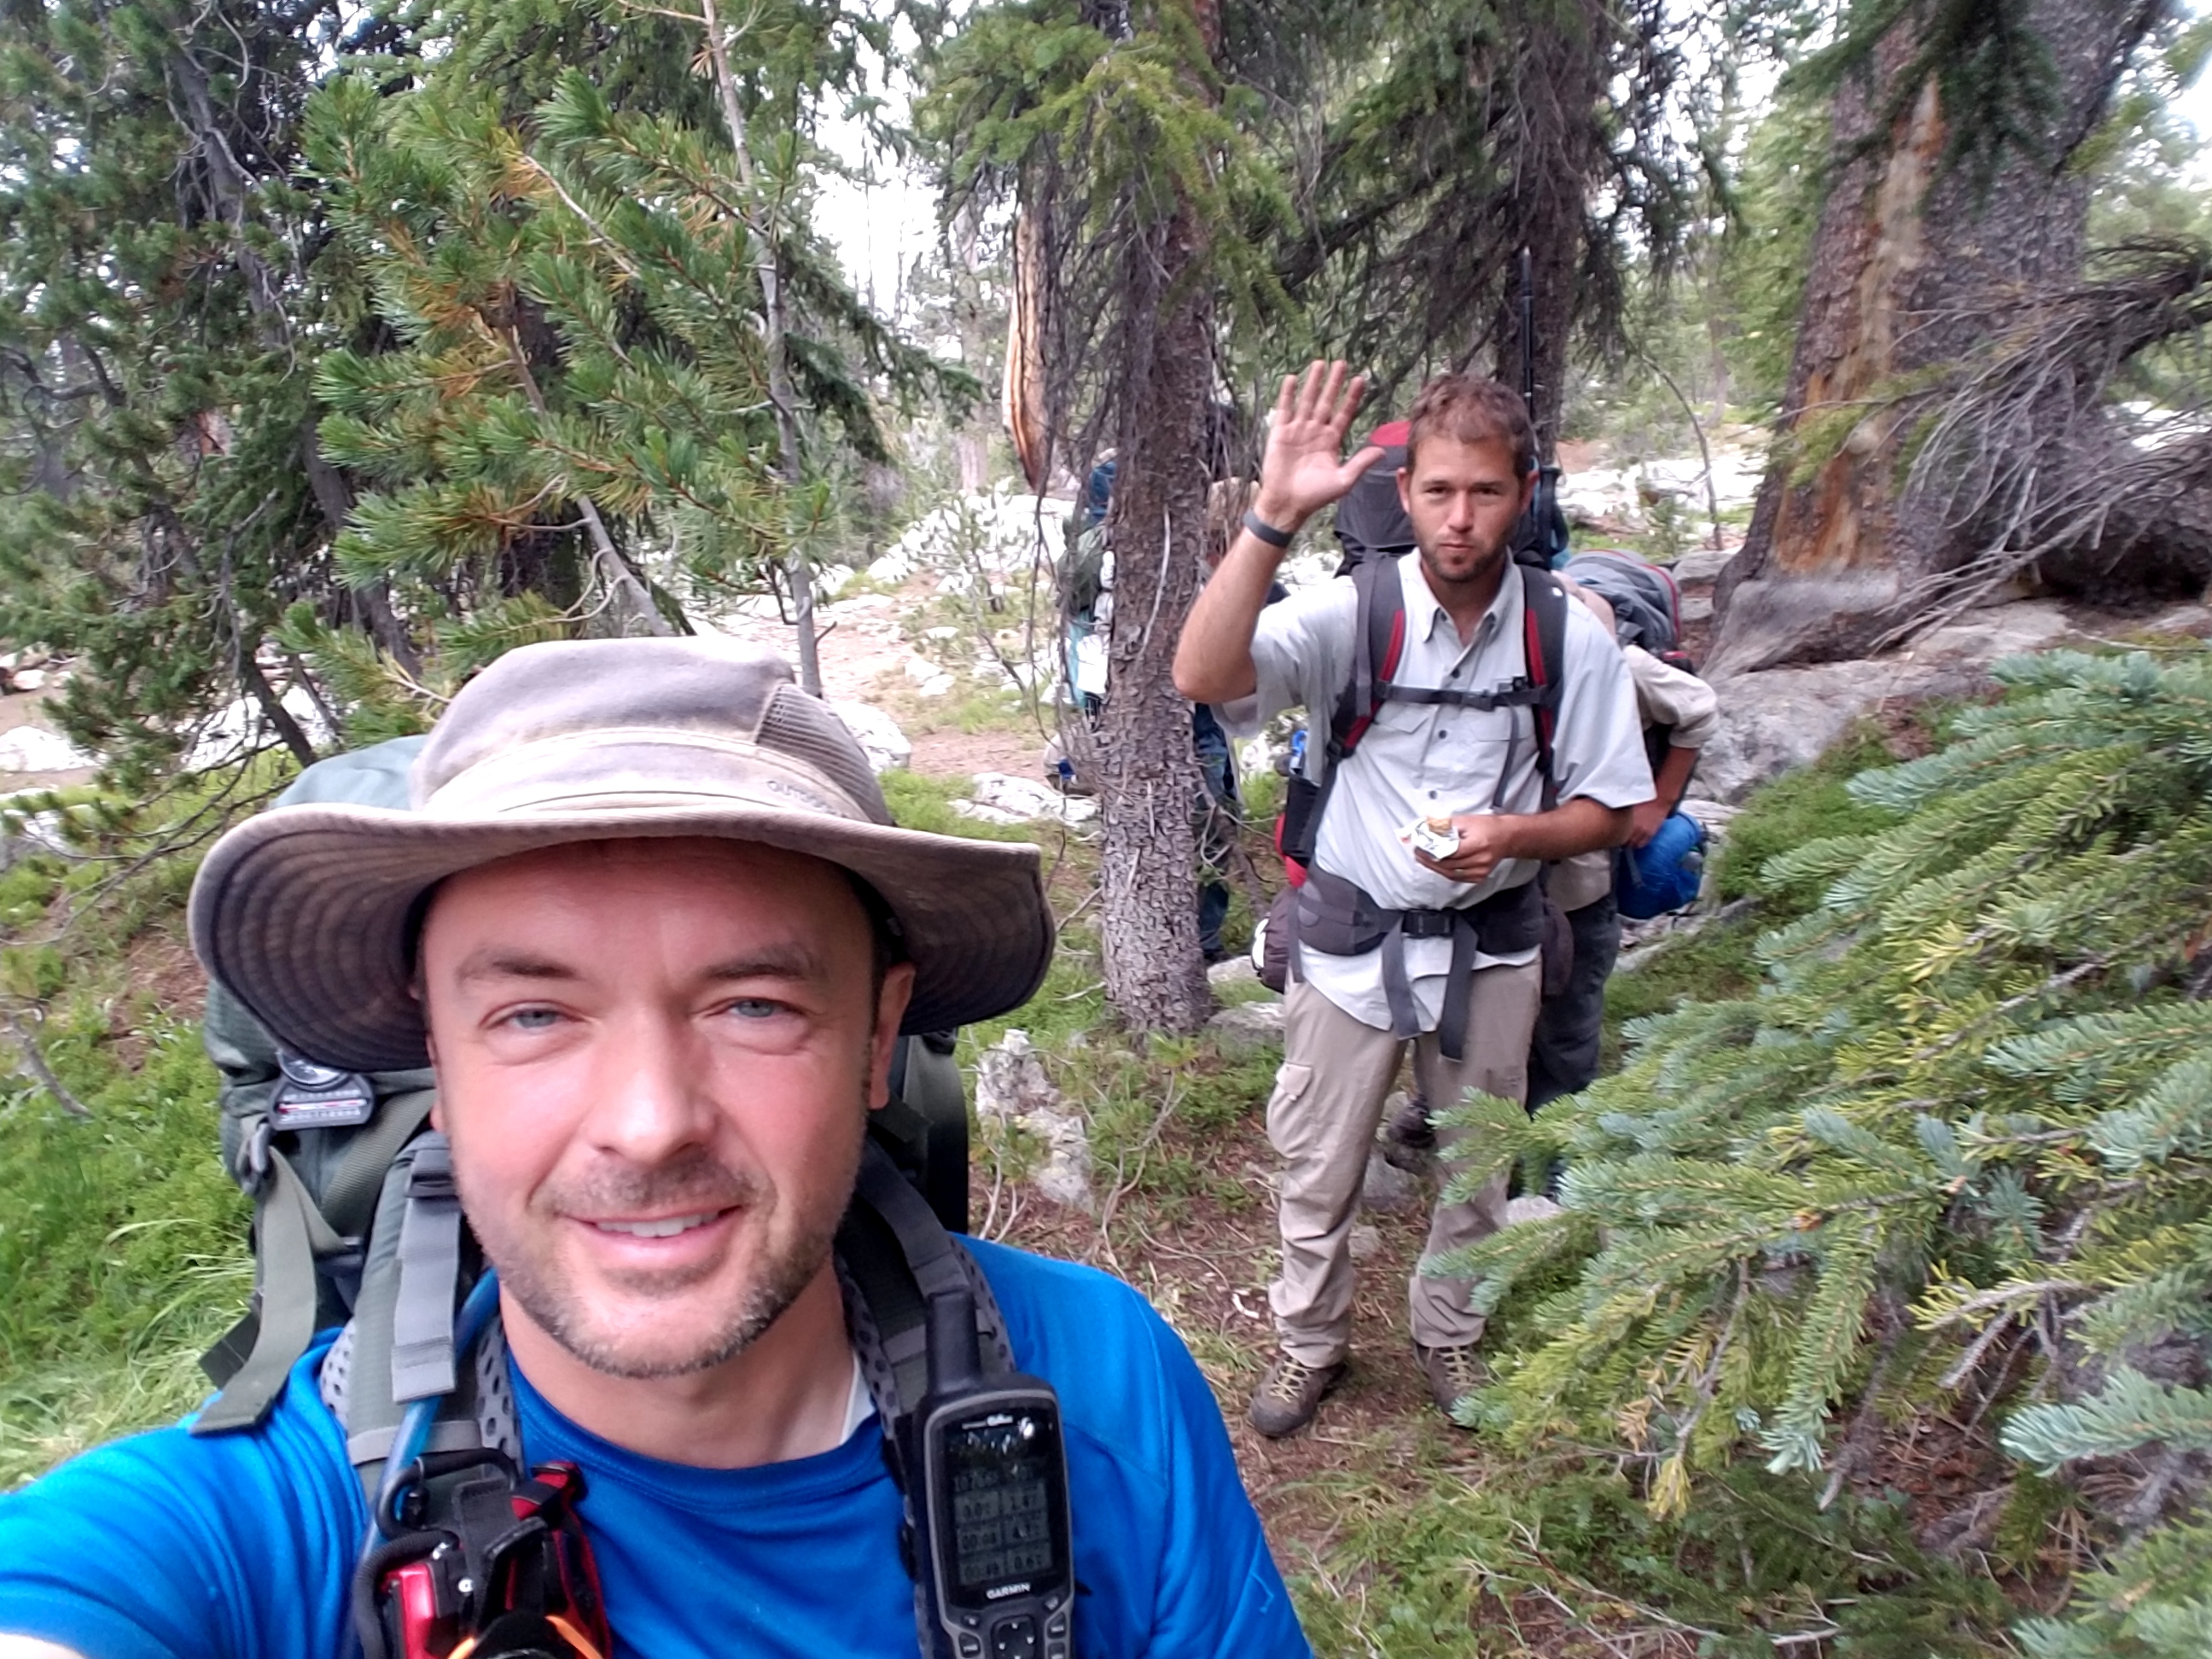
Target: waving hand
{"points": [[1303, 470]]}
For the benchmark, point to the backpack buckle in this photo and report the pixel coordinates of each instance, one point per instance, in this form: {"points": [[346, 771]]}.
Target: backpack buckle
{"points": [[251, 1169], [432, 1181]]}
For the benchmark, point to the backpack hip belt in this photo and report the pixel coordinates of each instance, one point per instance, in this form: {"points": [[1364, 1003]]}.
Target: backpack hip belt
{"points": [[1338, 918]]}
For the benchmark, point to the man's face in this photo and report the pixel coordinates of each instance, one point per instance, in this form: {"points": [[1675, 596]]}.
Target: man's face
{"points": [[655, 1061], [1464, 499]]}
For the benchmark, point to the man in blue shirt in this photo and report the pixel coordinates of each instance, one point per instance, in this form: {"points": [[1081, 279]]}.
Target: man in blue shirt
{"points": [[652, 923]]}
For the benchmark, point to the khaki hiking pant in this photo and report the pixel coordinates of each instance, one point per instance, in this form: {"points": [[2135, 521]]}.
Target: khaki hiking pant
{"points": [[1321, 1120]]}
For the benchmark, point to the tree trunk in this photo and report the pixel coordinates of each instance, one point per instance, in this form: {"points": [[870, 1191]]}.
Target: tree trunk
{"points": [[1909, 262], [1148, 771], [1150, 787], [768, 254]]}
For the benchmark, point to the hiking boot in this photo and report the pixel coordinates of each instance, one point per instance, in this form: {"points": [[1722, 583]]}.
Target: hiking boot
{"points": [[1409, 1140], [1290, 1394], [1453, 1373]]}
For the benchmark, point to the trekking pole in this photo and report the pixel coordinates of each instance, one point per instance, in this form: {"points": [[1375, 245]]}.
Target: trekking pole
{"points": [[1540, 537], [1528, 331]]}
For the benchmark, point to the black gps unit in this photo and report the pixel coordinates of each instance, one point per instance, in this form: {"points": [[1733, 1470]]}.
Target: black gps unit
{"points": [[999, 1554]]}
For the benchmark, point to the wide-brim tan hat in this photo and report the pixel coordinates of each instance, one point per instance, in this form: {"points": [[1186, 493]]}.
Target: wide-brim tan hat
{"points": [[308, 914]]}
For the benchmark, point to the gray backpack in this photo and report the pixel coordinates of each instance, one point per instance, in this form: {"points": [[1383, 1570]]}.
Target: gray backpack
{"points": [[1647, 606]]}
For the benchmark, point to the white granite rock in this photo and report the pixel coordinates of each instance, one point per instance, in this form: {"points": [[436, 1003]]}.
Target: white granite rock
{"points": [[1012, 1087], [1248, 1028], [1774, 718], [877, 733], [34, 749], [1018, 800]]}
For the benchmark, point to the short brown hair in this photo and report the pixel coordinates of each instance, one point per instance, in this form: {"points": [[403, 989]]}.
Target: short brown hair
{"points": [[1474, 410]]}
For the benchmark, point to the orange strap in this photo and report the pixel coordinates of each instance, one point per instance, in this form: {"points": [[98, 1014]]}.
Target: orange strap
{"points": [[574, 1637]]}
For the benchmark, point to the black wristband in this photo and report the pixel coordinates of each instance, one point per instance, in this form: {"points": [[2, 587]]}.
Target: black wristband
{"points": [[1266, 531]]}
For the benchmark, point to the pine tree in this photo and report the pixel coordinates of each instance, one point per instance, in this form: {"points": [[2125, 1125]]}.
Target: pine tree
{"points": [[1960, 1138], [1947, 430], [623, 372], [1430, 143], [153, 339], [1104, 125]]}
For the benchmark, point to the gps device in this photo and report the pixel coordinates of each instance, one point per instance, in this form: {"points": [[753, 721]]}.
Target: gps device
{"points": [[998, 1557]]}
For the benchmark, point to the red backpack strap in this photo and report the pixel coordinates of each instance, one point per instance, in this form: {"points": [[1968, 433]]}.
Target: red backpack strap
{"points": [[1378, 640], [1544, 640]]}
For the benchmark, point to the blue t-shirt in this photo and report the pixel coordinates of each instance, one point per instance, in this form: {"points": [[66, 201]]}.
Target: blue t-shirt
{"points": [[240, 1546]]}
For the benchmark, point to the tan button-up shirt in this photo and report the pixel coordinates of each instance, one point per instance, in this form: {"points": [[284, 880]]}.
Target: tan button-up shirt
{"points": [[1434, 759]]}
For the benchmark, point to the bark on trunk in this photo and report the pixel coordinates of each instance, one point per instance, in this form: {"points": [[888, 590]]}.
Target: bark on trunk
{"points": [[1148, 773], [1908, 262]]}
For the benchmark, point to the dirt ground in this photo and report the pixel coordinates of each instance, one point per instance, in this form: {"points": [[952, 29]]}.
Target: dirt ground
{"points": [[1206, 1268]]}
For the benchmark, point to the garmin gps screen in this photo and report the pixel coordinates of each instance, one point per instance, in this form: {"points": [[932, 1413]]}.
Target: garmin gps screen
{"points": [[1005, 1469]]}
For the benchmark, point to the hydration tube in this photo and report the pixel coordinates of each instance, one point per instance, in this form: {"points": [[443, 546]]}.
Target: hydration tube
{"points": [[415, 1427]]}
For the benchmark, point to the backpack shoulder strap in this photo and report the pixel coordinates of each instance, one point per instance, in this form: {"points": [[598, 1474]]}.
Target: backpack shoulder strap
{"points": [[1544, 622], [399, 1346], [1378, 640], [892, 1252]]}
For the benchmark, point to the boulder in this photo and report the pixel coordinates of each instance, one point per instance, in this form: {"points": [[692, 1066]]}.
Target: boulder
{"points": [[1233, 970], [1021, 798], [1775, 718], [1531, 1206], [1012, 1087], [31, 835], [1700, 566], [1387, 1189], [1249, 1028], [34, 749], [928, 678], [876, 733], [239, 728]]}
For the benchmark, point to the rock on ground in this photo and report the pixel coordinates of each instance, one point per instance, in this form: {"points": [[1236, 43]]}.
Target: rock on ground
{"points": [[36, 833], [1387, 1189], [1012, 1087], [1248, 1028], [34, 749], [1530, 1206], [1002, 797], [239, 728], [877, 733], [1775, 718], [1233, 970]]}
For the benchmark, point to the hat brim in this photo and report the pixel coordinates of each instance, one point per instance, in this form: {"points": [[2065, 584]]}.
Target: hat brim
{"points": [[305, 912]]}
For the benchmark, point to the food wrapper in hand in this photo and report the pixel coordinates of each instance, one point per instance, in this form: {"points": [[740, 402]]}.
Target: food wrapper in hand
{"points": [[1437, 837]]}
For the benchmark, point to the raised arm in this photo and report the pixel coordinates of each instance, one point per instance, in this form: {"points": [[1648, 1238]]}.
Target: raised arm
{"points": [[1302, 472]]}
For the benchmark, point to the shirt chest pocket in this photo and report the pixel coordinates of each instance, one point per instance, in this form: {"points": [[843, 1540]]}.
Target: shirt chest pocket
{"points": [[1445, 725]]}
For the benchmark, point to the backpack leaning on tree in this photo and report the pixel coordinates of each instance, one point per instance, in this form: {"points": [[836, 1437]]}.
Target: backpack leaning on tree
{"points": [[357, 1227]]}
